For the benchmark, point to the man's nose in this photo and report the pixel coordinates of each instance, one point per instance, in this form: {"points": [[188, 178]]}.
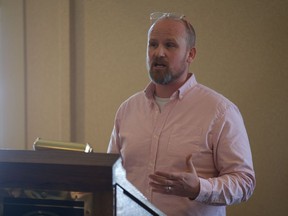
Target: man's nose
{"points": [[160, 51]]}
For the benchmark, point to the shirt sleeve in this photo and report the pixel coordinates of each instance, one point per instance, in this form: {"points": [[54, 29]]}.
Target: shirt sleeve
{"points": [[233, 160], [113, 143]]}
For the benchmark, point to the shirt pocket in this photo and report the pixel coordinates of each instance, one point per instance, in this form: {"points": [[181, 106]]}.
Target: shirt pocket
{"points": [[184, 140]]}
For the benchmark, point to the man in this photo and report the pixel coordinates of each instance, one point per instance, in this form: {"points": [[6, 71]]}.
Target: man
{"points": [[183, 145]]}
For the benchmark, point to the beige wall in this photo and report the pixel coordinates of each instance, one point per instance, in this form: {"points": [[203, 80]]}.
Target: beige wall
{"points": [[65, 67], [12, 75], [47, 70]]}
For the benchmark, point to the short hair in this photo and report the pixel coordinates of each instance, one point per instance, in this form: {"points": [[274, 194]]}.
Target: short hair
{"points": [[190, 31]]}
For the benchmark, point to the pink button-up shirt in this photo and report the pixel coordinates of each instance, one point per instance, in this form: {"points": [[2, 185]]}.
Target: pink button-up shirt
{"points": [[196, 121]]}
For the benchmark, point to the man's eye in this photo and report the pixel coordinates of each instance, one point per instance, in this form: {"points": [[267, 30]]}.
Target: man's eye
{"points": [[152, 44], [170, 45]]}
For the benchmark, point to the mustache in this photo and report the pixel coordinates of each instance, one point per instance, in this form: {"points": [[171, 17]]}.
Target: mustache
{"points": [[159, 60]]}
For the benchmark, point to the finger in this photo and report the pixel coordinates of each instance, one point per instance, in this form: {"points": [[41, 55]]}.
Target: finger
{"points": [[161, 181], [157, 179], [163, 174], [156, 185], [156, 176], [161, 188], [171, 176]]}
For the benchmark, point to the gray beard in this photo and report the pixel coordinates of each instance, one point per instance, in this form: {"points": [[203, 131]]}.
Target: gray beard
{"points": [[167, 76], [164, 77]]}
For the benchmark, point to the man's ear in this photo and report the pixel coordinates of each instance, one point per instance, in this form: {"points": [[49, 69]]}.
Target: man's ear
{"points": [[191, 55]]}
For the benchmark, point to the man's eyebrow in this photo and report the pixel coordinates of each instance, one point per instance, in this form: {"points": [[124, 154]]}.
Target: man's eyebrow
{"points": [[167, 39], [171, 39]]}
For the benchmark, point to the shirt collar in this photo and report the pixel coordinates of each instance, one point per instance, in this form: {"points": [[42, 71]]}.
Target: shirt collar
{"points": [[190, 83]]}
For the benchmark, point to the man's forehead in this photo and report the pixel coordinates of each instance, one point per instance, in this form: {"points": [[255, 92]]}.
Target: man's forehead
{"points": [[167, 27]]}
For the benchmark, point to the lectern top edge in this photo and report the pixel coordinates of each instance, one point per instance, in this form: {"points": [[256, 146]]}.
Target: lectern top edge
{"points": [[58, 157]]}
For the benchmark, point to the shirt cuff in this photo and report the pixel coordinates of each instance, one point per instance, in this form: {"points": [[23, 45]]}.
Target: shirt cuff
{"points": [[205, 190]]}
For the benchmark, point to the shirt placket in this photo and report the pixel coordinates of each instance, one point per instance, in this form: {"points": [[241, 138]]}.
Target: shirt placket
{"points": [[159, 123]]}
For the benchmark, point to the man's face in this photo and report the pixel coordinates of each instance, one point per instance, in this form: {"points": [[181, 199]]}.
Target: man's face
{"points": [[167, 53]]}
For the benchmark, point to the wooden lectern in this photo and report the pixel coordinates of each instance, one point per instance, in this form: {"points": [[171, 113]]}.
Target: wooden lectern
{"points": [[98, 173]]}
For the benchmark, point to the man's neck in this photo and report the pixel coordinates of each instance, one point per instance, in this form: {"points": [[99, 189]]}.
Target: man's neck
{"points": [[165, 91]]}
